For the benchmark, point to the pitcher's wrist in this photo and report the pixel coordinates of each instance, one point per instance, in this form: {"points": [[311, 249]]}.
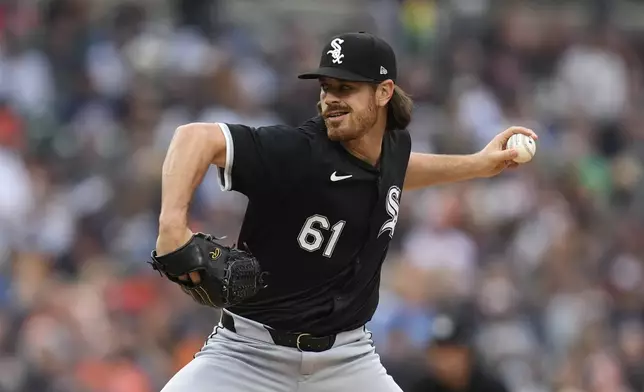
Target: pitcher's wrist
{"points": [[173, 221]]}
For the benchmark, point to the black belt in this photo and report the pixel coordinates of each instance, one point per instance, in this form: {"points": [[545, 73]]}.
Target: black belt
{"points": [[300, 341]]}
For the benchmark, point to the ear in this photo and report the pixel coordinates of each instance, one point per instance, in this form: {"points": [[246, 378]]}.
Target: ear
{"points": [[384, 92]]}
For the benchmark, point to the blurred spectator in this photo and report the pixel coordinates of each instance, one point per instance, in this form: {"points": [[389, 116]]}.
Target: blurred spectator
{"points": [[452, 363]]}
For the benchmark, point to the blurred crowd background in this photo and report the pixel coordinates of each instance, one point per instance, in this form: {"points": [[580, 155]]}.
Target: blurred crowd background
{"points": [[547, 260]]}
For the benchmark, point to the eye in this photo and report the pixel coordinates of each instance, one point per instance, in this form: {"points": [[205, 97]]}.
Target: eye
{"points": [[324, 87], [345, 87]]}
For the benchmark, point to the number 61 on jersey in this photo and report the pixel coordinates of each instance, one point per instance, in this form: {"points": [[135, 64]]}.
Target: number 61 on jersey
{"points": [[311, 238]]}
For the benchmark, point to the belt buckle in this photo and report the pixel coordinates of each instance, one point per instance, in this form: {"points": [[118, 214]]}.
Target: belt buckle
{"points": [[297, 342]]}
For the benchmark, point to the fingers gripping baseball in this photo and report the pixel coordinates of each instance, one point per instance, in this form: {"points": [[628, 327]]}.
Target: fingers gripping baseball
{"points": [[505, 155], [502, 138], [498, 147], [499, 154]]}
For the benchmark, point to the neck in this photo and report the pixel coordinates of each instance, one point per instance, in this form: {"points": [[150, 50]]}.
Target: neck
{"points": [[368, 147]]}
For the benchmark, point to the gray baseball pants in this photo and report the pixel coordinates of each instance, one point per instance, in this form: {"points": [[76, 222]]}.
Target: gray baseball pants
{"points": [[248, 361]]}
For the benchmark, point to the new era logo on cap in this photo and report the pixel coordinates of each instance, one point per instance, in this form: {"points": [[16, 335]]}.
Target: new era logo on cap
{"points": [[358, 57]]}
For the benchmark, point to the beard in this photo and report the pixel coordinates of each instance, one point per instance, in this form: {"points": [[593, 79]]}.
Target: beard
{"points": [[352, 125]]}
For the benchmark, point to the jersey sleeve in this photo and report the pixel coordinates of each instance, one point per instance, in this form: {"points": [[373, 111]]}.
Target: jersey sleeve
{"points": [[262, 159]]}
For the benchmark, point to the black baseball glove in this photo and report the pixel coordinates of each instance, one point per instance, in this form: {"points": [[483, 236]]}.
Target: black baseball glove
{"points": [[228, 275]]}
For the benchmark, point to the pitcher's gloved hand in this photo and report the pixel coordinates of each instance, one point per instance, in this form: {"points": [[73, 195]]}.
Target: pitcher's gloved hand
{"points": [[228, 275]]}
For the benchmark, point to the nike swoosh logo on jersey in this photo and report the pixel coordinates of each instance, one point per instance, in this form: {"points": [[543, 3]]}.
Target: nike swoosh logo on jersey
{"points": [[335, 177]]}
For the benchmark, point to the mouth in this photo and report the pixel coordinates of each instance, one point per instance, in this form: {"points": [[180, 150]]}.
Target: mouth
{"points": [[336, 115]]}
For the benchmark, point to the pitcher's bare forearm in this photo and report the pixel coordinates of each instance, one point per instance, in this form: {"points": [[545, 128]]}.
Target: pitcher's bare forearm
{"points": [[429, 169], [194, 147], [426, 170]]}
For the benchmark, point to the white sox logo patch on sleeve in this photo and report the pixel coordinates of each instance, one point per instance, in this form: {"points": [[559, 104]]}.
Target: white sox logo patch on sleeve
{"points": [[336, 52], [393, 208]]}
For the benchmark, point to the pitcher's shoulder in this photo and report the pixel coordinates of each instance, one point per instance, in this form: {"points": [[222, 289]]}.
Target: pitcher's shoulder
{"points": [[310, 129], [400, 140], [313, 127]]}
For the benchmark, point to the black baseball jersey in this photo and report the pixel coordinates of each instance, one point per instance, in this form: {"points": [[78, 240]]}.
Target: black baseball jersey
{"points": [[318, 219]]}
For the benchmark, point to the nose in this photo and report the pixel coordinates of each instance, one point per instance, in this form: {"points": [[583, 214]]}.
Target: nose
{"points": [[329, 98]]}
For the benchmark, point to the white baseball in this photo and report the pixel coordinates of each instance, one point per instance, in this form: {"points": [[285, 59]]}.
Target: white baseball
{"points": [[526, 147]]}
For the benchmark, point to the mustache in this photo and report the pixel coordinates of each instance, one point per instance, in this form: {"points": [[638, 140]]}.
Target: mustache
{"points": [[336, 108]]}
